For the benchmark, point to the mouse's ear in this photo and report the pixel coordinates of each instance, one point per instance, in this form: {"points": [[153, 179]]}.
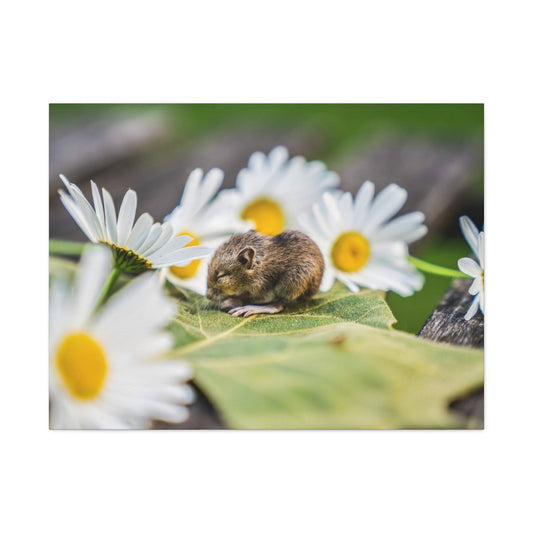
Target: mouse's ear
{"points": [[246, 258]]}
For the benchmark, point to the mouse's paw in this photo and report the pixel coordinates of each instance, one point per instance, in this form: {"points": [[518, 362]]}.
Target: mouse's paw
{"points": [[230, 303], [250, 310]]}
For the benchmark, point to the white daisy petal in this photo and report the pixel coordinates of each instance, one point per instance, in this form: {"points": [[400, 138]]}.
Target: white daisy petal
{"points": [[472, 310], [477, 286], [308, 224], [390, 251], [87, 211], [476, 240], [369, 279], [277, 157], [173, 369], [343, 278], [164, 236], [182, 257], [60, 314], [124, 330], [402, 279], [170, 393], [470, 233], [99, 209], [386, 204], [140, 231], [416, 234], [151, 238], [327, 280], [94, 268], [469, 267], [110, 217], [102, 419], [481, 249], [345, 206], [211, 184], [407, 227], [362, 203], [175, 244], [257, 160], [66, 182], [126, 216], [321, 219], [192, 186], [332, 209], [164, 411], [76, 214]]}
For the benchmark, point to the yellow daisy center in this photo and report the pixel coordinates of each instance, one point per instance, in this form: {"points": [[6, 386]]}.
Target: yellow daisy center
{"points": [[82, 365], [350, 252], [266, 214], [190, 270]]}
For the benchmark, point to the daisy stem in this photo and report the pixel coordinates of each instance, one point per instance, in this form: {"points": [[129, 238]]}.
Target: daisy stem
{"points": [[60, 247], [115, 273], [430, 268]]}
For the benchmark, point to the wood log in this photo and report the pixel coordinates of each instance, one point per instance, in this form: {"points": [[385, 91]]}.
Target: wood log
{"points": [[447, 324]]}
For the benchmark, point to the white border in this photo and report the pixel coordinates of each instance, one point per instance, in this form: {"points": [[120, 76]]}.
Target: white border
{"points": [[269, 52]]}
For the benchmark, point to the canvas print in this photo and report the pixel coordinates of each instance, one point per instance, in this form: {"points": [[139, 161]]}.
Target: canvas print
{"points": [[266, 266]]}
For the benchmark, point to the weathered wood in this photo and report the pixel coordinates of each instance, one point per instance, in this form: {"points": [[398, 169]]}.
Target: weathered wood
{"points": [[447, 324], [436, 174], [82, 150]]}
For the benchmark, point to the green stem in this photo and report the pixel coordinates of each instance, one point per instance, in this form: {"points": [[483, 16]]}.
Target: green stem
{"points": [[424, 266], [115, 273], [60, 247]]}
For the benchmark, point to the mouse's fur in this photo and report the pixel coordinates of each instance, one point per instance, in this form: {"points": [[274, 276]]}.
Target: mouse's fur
{"points": [[252, 268]]}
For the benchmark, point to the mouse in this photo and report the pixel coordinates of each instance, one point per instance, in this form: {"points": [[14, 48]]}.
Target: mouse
{"points": [[252, 273]]}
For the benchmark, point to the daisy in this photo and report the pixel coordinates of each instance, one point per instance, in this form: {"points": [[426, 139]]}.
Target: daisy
{"points": [[360, 243], [205, 222], [138, 247], [476, 270], [105, 366], [274, 190]]}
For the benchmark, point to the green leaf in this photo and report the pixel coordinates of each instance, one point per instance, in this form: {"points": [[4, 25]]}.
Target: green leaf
{"points": [[340, 376], [197, 323], [334, 362]]}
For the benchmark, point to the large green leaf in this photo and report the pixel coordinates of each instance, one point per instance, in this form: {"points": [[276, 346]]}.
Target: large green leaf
{"points": [[196, 322], [338, 376], [334, 362]]}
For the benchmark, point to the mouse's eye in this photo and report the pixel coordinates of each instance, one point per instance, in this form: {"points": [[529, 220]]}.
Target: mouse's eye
{"points": [[221, 275]]}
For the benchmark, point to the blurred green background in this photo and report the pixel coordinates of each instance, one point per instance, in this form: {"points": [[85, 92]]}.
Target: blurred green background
{"points": [[342, 126]]}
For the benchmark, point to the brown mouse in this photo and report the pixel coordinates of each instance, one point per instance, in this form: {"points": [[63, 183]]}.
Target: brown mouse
{"points": [[252, 273]]}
